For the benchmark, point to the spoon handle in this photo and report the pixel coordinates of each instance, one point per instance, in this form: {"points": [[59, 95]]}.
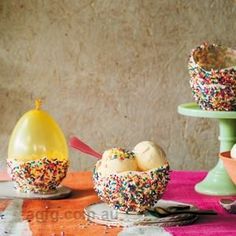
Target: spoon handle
{"points": [[197, 212], [161, 212], [83, 147]]}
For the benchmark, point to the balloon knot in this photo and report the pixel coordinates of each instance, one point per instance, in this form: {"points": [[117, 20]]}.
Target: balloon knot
{"points": [[38, 104]]}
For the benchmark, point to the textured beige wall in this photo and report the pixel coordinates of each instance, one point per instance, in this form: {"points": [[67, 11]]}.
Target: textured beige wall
{"points": [[111, 71]]}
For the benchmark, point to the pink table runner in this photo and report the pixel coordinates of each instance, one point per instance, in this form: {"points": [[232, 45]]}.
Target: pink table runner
{"points": [[181, 188]]}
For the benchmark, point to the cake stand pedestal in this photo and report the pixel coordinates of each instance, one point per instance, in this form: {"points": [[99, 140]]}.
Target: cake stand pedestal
{"points": [[217, 182]]}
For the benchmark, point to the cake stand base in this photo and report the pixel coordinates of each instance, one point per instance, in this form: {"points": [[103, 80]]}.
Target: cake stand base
{"points": [[217, 182]]}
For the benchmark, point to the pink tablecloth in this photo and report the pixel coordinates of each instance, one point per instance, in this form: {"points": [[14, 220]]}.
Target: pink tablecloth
{"points": [[181, 188]]}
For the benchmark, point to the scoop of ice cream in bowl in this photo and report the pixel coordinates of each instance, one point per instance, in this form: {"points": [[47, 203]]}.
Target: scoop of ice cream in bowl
{"points": [[132, 181], [229, 160]]}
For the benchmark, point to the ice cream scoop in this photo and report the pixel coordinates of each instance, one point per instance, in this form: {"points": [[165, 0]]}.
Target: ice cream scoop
{"points": [[149, 155], [116, 160]]}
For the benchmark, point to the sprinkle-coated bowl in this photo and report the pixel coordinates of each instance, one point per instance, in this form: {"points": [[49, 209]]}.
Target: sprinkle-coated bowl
{"points": [[131, 192], [212, 69], [37, 176]]}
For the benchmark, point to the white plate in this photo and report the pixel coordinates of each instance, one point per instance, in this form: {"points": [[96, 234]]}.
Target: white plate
{"points": [[8, 191], [101, 213]]}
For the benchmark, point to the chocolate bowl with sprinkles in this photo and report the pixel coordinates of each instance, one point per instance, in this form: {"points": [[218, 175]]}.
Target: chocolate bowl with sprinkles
{"points": [[37, 153], [212, 69], [120, 183]]}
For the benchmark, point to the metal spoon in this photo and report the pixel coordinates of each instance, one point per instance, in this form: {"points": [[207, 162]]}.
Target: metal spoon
{"points": [[229, 205], [173, 210]]}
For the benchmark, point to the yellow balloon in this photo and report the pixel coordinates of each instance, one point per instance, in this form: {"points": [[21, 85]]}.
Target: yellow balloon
{"points": [[37, 135]]}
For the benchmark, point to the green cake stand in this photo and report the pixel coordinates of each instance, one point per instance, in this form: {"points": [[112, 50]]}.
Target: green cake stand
{"points": [[217, 182]]}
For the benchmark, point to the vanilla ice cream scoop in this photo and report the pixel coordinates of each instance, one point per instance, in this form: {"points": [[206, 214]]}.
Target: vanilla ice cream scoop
{"points": [[233, 152], [149, 155], [116, 160]]}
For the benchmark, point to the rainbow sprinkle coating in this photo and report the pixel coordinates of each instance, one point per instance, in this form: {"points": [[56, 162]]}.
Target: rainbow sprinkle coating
{"points": [[38, 176], [132, 191], [120, 153], [212, 88]]}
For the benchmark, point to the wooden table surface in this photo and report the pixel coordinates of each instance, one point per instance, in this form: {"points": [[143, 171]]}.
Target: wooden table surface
{"points": [[63, 217]]}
